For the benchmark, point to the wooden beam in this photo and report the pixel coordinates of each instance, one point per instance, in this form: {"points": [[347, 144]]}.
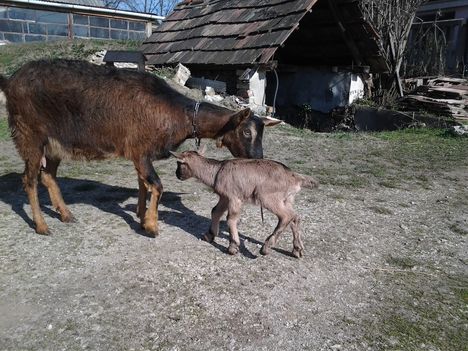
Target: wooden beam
{"points": [[348, 38]]}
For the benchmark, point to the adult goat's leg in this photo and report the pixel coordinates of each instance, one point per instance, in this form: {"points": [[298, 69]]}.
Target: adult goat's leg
{"points": [[49, 180], [152, 182], [142, 194], [31, 173], [216, 214]]}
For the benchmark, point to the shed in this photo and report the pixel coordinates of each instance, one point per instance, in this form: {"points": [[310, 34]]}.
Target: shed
{"points": [[287, 51]]}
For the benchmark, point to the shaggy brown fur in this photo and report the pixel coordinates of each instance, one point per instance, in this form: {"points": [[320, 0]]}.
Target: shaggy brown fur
{"points": [[72, 109], [267, 183]]}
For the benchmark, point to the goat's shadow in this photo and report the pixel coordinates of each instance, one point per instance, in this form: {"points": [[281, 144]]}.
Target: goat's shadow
{"points": [[108, 198]]}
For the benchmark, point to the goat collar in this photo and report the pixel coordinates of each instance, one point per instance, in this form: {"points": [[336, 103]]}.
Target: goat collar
{"points": [[195, 133]]}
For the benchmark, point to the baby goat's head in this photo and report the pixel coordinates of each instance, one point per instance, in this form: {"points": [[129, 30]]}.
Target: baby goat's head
{"points": [[184, 161]]}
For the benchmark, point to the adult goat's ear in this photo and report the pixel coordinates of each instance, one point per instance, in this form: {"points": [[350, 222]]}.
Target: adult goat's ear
{"points": [[239, 117], [270, 121], [177, 155], [234, 121]]}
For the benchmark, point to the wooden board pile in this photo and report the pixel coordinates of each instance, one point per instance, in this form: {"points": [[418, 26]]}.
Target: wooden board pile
{"points": [[441, 96]]}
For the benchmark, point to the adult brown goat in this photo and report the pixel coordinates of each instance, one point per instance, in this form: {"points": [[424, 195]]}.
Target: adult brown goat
{"points": [[72, 109], [267, 183]]}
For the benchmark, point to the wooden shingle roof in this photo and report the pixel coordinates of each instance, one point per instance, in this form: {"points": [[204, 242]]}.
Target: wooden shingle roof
{"points": [[226, 32]]}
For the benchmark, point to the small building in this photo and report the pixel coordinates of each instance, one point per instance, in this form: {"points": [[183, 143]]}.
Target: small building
{"points": [[43, 20], [438, 39], [279, 52]]}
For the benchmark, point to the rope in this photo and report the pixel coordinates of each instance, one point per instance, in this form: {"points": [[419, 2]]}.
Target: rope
{"points": [[194, 125]]}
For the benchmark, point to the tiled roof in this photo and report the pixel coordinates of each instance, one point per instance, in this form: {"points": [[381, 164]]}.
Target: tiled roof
{"points": [[238, 32]]}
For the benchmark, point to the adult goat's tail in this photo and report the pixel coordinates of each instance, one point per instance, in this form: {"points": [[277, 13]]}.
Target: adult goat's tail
{"points": [[309, 182], [3, 82]]}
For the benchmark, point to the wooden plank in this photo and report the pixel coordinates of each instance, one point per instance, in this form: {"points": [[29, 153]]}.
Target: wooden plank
{"points": [[336, 13], [221, 44], [211, 8], [223, 30], [238, 57]]}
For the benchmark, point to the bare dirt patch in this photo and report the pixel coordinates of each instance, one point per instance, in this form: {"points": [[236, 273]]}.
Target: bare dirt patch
{"points": [[384, 269]]}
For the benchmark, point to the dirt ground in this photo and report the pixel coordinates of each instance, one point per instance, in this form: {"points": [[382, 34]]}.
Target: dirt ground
{"points": [[385, 266]]}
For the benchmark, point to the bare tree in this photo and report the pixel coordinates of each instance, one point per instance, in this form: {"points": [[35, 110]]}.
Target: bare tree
{"points": [[393, 20], [158, 7]]}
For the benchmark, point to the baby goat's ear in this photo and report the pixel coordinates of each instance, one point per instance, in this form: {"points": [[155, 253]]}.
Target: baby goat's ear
{"points": [[202, 150], [177, 155]]}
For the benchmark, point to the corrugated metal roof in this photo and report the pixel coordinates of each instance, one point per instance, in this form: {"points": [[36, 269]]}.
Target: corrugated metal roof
{"points": [[238, 32], [98, 3]]}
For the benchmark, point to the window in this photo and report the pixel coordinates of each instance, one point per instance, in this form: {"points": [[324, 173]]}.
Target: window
{"points": [[11, 26], [80, 31], [24, 14], [136, 25], [57, 29], [99, 33], [79, 19], [98, 21], [3, 12], [52, 17], [14, 38], [118, 24], [34, 37], [37, 28], [22, 24], [119, 34]]}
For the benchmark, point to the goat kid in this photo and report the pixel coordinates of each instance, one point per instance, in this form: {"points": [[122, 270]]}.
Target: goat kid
{"points": [[267, 183]]}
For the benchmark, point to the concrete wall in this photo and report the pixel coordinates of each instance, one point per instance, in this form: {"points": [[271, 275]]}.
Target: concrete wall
{"points": [[321, 89]]}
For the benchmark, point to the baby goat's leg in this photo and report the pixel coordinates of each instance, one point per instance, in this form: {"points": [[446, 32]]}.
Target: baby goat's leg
{"points": [[298, 246], [283, 222], [216, 213], [286, 215], [233, 216]]}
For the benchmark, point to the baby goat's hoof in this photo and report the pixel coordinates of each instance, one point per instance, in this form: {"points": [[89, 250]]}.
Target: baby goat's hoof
{"points": [[233, 249], [265, 250], [298, 253], [208, 237]]}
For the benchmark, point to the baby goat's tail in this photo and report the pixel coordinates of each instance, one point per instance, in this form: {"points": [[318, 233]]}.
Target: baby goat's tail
{"points": [[308, 182]]}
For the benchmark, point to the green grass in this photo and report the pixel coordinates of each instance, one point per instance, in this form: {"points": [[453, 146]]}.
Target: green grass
{"points": [[423, 149], [4, 130], [401, 262], [393, 159], [15, 55], [421, 313]]}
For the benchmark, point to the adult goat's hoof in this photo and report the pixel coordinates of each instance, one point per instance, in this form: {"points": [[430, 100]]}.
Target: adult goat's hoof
{"points": [[42, 230], [67, 218], [151, 229]]}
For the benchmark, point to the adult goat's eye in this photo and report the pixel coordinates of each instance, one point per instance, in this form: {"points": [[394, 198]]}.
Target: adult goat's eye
{"points": [[247, 133]]}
